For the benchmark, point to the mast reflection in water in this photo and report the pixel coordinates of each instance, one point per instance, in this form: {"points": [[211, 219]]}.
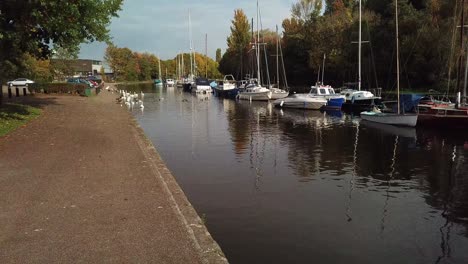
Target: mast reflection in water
{"points": [[303, 186]]}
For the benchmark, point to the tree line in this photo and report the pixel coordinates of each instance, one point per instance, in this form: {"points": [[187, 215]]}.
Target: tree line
{"points": [[129, 65], [320, 36]]}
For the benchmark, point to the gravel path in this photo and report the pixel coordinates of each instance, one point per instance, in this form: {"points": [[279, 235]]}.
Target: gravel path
{"points": [[83, 184]]}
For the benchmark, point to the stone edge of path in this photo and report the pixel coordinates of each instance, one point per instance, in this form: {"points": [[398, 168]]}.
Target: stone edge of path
{"points": [[208, 249]]}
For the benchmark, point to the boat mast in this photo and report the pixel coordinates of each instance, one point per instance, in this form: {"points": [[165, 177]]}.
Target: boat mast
{"points": [[191, 48], [206, 55], [460, 60], [323, 67], [258, 51], [277, 58], [284, 69], [159, 68], [183, 66], [397, 56], [359, 46]]}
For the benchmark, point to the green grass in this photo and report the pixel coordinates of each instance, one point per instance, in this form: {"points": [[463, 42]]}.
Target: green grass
{"points": [[13, 116]]}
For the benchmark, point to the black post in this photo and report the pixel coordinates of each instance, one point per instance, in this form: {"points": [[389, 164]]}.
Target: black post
{"points": [[24, 91], [17, 91], [1, 93], [9, 91]]}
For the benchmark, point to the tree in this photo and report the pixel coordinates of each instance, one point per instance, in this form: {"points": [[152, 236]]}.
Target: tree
{"points": [[238, 43], [60, 66], [303, 10], [36, 27], [218, 55]]}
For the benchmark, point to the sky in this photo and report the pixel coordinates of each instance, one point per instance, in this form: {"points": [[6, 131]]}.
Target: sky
{"points": [[161, 27]]}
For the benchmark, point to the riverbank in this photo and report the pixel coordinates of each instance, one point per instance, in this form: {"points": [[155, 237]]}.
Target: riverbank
{"points": [[81, 183]]}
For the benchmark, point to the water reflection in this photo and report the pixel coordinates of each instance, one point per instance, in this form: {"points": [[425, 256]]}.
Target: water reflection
{"points": [[291, 186]]}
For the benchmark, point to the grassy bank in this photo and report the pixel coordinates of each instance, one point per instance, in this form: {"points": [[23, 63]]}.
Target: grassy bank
{"points": [[13, 116]]}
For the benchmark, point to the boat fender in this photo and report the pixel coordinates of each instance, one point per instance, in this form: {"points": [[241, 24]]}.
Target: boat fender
{"points": [[281, 104]]}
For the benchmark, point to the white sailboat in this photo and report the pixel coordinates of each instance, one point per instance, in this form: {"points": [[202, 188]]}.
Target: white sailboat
{"points": [[255, 91], [357, 100], [398, 119], [277, 92]]}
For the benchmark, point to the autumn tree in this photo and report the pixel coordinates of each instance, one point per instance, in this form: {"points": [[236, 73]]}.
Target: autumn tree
{"points": [[235, 58]]}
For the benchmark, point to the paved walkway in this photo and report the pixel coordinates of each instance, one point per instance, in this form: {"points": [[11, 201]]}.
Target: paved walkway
{"points": [[82, 184]]}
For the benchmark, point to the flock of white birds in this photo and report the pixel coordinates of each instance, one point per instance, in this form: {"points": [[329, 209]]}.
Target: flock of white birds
{"points": [[131, 99]]}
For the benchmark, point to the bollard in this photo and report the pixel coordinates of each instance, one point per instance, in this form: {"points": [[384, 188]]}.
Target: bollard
{"points": [[17, 91], [9, 92], [24, 91]]}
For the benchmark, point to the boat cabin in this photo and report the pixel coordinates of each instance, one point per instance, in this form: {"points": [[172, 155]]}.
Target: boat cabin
{"points": [[322, 90]]}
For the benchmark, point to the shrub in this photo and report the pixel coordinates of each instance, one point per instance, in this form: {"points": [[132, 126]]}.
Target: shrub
{"points": [[69, 88]]}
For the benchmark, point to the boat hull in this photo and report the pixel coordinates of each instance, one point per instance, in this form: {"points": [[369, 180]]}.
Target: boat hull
{"points": [[231, 93], [306, 103], [254, 96], [409, 120], [334, 103], [360, 105], [279, 95]]}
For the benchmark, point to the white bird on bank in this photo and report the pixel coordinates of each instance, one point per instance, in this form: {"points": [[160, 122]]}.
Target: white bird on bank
{"points": [[142, 107], [142, 95]]}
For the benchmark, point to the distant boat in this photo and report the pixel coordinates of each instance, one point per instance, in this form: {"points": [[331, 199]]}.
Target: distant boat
{"points": [[170, 82], [159, 82], [201, 85], [399, 118], [226, 88]]}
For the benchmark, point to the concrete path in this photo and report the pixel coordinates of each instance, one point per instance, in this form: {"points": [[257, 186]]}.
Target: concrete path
{"points": [[82, 184]]}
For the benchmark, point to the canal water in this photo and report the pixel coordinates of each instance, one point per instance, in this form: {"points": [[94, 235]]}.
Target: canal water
{"points": [[289, 186]]}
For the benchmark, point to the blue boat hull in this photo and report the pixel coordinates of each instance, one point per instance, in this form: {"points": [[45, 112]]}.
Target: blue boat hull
{"points": [[334, 103], [226, 93]]}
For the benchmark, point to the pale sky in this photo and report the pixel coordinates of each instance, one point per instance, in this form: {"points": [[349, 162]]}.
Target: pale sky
{"points": [[161, 27]]}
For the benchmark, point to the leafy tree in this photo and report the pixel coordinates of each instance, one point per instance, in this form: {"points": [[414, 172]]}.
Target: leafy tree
{"points": [[235, 59], [35, 27], [218, 55], [303, 10]]}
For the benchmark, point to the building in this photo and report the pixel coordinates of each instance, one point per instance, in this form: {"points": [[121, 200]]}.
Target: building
{"points": [[80, 67]]}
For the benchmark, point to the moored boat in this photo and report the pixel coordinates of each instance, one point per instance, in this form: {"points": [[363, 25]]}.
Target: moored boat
{"points": [[227, 87], [301, 101], [334, 101], [254, 92], [201, 85]]}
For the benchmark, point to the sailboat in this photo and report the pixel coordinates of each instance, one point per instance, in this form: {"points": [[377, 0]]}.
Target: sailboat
{"points": [[158, 82], [399, 119], [357, 100], [190, 80], [254, 91], [277, 92]]}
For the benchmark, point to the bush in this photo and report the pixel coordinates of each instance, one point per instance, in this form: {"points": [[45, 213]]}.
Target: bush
{"points": [[69, 88]]}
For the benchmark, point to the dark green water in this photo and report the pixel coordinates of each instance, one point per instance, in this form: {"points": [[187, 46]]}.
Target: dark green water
{"points": [[281, 186]]}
